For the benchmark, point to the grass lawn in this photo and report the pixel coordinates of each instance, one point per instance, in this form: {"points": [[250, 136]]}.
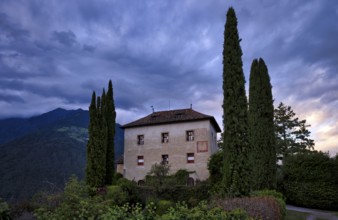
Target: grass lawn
{"points": [[294, 215]]}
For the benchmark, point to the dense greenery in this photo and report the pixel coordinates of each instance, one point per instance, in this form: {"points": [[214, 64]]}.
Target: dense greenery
{"points": [[215, 165], [4, 211], [261, 128], [292, 135], [235, 119], [100, 147], [78, 201], [311, 180]]}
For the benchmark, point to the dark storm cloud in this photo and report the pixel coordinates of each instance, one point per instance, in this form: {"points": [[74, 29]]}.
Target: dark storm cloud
{"points": [[11, 29], [11, 99], [67, 38], [88, 48]]}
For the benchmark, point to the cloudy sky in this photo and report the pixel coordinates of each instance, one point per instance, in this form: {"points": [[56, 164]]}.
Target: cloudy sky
{"points": [[166, 54]]}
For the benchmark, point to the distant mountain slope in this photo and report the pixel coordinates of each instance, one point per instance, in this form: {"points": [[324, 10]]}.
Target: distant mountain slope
{"points": [[13, 128], [47, 153]]}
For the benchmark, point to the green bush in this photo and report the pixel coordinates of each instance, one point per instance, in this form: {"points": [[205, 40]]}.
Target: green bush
{"points": [[202, 211], [116, 196], [181, 177], [4, 211], [130, 188], [192, 195], [163, 206], [310, 180], [319, 195], [215, 165]]}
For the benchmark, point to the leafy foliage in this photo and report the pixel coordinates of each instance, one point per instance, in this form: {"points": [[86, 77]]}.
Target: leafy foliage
{"points": [[77, 203], [235, 120], [310, 179], [4, 211], [292, 134], [261, 128], [215, 165]]}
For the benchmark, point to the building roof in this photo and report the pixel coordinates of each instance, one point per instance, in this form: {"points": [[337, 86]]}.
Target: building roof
{"points": [[172, 116]]}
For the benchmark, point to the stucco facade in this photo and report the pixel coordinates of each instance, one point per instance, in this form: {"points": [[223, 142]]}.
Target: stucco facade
{"points": [[183, 144]]}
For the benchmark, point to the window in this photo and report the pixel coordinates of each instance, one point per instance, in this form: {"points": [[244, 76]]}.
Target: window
{"points": [[140, 139], [165, 159], [165, 137], [190, 135], [140, 160], [190, 158]]}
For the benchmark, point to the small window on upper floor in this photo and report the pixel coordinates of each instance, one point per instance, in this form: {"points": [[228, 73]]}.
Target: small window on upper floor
{"points": [[165, 159], [190, 135], [165, 137], [190, 158], [140, 160], [140, 139]]}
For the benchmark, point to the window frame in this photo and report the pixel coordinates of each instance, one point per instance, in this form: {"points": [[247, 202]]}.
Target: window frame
{"points": [[164, 139], [187, 136], [140, 160], [190, 155], [165, 160], [139, 141]]}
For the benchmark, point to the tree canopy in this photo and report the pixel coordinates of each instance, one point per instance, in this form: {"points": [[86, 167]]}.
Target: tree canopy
{"points": [[292, 134]]}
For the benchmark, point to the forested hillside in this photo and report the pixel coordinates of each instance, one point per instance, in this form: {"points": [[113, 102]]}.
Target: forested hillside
{"points": [[43, 151]]}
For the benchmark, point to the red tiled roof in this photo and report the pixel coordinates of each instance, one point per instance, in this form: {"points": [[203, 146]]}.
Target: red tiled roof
{"points": [[172, 116]]}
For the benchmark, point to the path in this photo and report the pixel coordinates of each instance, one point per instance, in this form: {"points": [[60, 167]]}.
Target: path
{"points": [[314, 213]]}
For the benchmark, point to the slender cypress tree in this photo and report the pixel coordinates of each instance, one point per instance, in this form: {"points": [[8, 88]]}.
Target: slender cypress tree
{"points": [[90, 170], [261, 128], [100, 148], [235, 119], [100, 140], [110, 116]]}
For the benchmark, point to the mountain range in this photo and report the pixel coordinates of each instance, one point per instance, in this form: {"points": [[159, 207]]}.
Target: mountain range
{"points": [[42, 152]]}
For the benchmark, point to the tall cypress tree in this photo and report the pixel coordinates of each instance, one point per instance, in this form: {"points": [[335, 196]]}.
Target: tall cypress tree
{"points": [[110, 116], [235, 119], [100, 139], [90, 170], [261, 128]]}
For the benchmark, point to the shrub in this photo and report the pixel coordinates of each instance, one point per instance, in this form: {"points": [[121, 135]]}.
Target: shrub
{"points": [[181, 177], [310, 180], [130, 188], [215, 165], [4, 210], [263, 208], [278, 197], [115, 195], [202, 211], [163, 206]]}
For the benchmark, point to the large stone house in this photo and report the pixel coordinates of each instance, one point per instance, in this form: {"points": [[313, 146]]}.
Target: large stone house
{"points": [[183, 138]]}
